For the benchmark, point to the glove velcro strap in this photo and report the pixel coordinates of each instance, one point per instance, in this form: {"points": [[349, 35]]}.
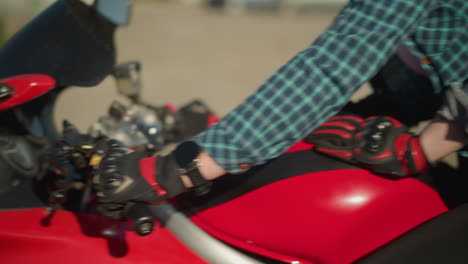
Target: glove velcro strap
{"points": [[148, 171], [410, 154]]}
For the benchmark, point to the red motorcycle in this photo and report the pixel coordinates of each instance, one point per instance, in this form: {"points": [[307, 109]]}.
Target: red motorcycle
{"points": [[299, 208]]}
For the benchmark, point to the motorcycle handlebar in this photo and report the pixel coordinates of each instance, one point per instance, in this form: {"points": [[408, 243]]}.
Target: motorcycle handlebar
{"points": [[206, 246]]}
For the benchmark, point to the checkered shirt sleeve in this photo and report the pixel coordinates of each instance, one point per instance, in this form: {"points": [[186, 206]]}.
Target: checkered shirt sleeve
{"points": [[314, 84]]}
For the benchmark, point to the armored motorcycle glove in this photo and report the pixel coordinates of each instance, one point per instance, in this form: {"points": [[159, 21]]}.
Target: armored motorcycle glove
{"points": [[381, 144], [122, 175]]}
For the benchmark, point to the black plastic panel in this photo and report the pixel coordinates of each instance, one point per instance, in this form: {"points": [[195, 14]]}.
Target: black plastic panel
{"points": [[441, 240], [21, 196], [68, 41]]}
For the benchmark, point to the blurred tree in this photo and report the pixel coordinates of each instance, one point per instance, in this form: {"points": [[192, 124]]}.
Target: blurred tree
{"points": [[15, 13]]}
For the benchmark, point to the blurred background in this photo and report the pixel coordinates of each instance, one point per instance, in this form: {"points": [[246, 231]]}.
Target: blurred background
{"points": [[219, 51]]}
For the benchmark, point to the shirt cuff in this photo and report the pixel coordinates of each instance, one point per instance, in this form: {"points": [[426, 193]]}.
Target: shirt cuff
{"points": [[219, 145]]}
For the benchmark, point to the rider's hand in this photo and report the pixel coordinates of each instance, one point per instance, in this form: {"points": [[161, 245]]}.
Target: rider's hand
{"points": [[123, 175], [380, 144]]}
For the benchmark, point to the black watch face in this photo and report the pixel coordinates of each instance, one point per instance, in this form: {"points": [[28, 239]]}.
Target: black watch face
{"points": [[186, 152]]}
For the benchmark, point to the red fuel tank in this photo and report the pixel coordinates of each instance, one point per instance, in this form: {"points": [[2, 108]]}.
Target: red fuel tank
{"points": [[327, 217]]}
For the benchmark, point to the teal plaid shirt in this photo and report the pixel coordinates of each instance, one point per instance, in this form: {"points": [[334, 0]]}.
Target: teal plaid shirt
{"points": [[318, 81]]}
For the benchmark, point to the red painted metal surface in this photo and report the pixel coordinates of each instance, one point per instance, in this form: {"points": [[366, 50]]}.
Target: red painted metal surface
{"points": [[301, 145], [171, 108], [26, 236], [330, 217], [26, 88], [212, 119]]}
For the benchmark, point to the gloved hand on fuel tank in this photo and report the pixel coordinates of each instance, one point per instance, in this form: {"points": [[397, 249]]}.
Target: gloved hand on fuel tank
{"points": [[381, 144]]}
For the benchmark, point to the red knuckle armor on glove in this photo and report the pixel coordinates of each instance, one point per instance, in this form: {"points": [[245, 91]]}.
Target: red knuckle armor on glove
{"points": [[381, 144]]}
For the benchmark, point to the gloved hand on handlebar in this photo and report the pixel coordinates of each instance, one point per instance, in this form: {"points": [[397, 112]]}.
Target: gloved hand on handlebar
{"points": [[380, 144], [123, 175], [120, 176]]}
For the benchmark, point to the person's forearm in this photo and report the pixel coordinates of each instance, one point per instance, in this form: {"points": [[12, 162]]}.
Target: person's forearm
{"points": [[441, 138], [314, 85]]}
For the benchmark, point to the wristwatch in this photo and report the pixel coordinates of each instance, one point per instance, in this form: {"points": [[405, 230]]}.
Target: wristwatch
{"points": [[186, 157]]}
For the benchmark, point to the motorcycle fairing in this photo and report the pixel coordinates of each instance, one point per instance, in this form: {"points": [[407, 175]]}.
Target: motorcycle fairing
{"points": [[68, 41], [296, 161], [25, 88], [332, 216], [35, 236]]}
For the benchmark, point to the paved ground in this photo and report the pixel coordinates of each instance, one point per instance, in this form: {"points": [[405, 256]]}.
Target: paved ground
{"points": [[190, 52]]}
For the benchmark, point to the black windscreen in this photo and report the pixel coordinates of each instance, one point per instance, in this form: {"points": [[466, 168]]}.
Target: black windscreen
{"points": [[69, 41]]}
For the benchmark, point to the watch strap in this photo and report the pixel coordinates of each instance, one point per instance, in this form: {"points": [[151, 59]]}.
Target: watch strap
{"points": [[201, 186], [186, 155]]}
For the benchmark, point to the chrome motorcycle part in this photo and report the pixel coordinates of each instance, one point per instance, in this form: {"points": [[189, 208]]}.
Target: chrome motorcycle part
{"points": [[5, 92], [128, 79], [134, 126]]}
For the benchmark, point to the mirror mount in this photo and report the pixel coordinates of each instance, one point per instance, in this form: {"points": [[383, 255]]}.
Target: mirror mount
{"points": [[128, 78]]}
